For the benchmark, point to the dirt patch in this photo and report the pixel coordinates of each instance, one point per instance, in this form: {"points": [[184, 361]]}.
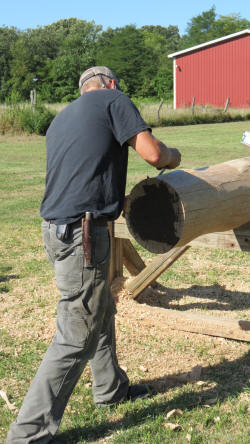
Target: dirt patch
{"points": [[152, 351], [147, 350]]}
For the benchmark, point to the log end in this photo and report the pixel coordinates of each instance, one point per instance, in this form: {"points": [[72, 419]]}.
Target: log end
{"points": [[154, 215]]}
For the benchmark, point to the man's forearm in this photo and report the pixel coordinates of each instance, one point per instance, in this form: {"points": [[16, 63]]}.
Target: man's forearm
{"points": [[155, 152]]}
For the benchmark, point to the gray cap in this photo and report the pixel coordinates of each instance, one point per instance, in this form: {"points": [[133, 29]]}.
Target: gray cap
{"points": [[95, 71]]}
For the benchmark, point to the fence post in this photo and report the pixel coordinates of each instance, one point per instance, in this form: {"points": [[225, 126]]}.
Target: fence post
{"points": [[33, 97], [226, 105], [193, 102], [158, 111]]}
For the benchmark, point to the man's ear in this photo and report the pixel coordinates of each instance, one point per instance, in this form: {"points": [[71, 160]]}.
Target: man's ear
{"points": [[112, 84]]}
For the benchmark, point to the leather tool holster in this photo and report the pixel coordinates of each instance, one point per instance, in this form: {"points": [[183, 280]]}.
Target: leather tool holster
{"points": [[86, 238]]}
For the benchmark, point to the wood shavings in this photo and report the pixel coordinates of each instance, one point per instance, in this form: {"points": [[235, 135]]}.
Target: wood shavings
{"points": [[5, 398], [174, 413], [174, 427]]}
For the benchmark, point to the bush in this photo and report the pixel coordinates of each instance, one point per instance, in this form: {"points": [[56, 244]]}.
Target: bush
{"points": [[9, 119], [21, 118], [36, 120]]}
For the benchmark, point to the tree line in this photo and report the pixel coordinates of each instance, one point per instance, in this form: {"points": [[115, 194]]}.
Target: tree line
{"points": [[51, 58]]}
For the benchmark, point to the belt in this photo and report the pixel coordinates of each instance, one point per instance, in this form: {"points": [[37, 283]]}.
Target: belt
{"points": [[99, 222]]}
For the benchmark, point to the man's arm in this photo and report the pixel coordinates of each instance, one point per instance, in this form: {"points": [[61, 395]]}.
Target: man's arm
{"points": [[155, 152]]}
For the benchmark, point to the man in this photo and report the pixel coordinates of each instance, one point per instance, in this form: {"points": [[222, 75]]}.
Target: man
{"points": [[87, 151]]}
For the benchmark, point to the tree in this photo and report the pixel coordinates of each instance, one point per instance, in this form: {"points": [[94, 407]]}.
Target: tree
{"points": [[56, 55], [199, 29], [207, 26], [77, 53], [124, 51], [169, 37], [161, 42], [8, 37], [229, 24], [28, 56]]}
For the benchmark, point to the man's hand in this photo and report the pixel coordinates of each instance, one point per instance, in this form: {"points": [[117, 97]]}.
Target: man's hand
{"points": [[175, 158]]}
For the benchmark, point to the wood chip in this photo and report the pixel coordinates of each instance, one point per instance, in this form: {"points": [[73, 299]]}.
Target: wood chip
{"points": [[174, 427], [188, 436], [175, 413], [5, 398], [143, 369]]}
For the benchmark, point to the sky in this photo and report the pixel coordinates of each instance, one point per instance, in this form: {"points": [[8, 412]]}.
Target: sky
{"points": [[24, 14]]}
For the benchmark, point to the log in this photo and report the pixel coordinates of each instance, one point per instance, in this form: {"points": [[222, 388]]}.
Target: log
{"points": [[131, 258], [150, 273], [116, 252], [172, 209], [237, 239], [203, 324]]}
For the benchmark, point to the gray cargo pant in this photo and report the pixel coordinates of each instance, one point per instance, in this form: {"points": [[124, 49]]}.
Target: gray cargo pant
{"points": [[85, 331]]}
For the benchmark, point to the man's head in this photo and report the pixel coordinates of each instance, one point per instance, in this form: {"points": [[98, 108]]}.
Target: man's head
{"points": [[97, 77]]}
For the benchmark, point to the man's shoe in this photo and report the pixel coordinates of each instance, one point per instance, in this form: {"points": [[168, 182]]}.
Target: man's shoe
{"points": [[135, 392], [139, 391]]}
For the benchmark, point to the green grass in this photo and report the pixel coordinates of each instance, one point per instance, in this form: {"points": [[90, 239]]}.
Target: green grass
{"points": [[200, 146], [210, 280]]}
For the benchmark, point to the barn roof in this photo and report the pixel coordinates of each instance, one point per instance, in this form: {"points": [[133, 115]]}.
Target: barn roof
{"points": [[211, 42]]}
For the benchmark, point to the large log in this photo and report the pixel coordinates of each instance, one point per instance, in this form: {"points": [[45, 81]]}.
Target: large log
{"points": [[172, 209]]}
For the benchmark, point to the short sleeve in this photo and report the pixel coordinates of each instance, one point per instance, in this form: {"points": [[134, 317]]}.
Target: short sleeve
{"points": [[125, 119]]}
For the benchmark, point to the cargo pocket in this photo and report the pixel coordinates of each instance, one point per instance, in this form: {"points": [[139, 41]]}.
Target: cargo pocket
{"points": [[69, 273], [49, 255], [72, 331]]}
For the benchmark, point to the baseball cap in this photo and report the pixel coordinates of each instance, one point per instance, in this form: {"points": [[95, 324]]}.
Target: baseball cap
{"points": [[95, 71]]}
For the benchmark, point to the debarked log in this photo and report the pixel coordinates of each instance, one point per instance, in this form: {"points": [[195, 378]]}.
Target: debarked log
{"points": [[172, 209]]}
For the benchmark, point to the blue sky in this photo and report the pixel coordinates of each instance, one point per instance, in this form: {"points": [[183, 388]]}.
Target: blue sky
{"points": [[25, 14]]}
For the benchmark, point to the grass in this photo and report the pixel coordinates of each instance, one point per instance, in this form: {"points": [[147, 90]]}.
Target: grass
{"points": [[200, 146], [214, 281]]}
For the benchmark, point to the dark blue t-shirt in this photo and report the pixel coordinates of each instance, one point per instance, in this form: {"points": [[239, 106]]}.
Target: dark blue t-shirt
{"points": [[87, 155]]}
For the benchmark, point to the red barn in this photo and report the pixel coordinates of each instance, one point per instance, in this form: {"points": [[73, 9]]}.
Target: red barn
{"points": [[214, 71]]}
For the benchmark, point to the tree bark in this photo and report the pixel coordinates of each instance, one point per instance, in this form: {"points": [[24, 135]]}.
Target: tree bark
{"points": [[172, 209]]}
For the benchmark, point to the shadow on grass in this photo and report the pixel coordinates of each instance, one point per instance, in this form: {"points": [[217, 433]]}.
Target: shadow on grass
{"points": [[5, 278], [231, 379], [226, 300]]}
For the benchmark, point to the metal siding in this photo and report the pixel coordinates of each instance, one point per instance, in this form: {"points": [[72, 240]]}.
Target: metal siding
{"points": [[214, 73]]}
